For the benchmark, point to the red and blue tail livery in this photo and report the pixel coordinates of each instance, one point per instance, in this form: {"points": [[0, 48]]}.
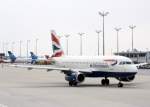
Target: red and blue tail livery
{"points": [[57, 49]]}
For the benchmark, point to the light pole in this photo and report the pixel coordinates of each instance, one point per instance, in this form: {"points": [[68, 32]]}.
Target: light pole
{"points": [[36, 41], [67, 36], [12, 47], [132, 27], [103, 14], [117, 30], [98, 32], [28, 41], [81, 34], [6, 47], [3, 47], [20, 43]]}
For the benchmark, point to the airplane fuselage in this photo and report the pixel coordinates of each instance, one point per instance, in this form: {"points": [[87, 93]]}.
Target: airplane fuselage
{"points": [[101, 66]]}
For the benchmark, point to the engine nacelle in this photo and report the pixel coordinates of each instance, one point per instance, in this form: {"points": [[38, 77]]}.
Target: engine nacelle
{"points": [[126, 79], [78, 77]]}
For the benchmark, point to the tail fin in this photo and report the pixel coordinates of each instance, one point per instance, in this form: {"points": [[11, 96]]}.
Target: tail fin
{"points": [[57, 50], [11, 56], [34, 58]]}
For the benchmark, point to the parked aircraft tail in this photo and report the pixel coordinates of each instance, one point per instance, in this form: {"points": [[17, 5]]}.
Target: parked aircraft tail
{"points": [[12, 56], [33, 57]]}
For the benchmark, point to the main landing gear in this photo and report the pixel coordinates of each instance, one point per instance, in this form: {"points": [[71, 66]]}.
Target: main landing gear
{"points": [[105, 81], [120, 84], [73, 83]]}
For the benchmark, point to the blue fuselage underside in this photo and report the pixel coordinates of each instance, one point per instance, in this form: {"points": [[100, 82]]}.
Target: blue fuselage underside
{"points": [[110, 74]]}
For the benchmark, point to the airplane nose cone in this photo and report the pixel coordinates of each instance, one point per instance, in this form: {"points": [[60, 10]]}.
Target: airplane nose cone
{"points": [[134, 68]]}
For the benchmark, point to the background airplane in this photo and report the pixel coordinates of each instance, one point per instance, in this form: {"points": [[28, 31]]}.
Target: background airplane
{"points": [[13, 59]]}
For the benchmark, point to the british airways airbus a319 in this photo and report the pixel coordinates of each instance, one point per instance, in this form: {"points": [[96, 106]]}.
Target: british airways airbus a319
{"points": [[77, 68]]}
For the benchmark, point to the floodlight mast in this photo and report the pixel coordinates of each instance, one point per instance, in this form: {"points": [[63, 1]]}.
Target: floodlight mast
{"points": [[67, 36], [81, 34], [117, 30], [103, 14], [98, 32], [132, 27]]}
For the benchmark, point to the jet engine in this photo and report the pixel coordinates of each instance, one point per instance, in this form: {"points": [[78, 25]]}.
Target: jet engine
{"points": [[76, 77], [126, 79]]}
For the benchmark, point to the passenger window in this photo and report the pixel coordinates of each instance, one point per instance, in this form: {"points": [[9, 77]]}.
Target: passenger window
{"points": [[125, 62], [128, 62]]}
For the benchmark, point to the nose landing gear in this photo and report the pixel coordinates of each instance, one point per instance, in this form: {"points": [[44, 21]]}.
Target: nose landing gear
{"points": [[120, 84]]}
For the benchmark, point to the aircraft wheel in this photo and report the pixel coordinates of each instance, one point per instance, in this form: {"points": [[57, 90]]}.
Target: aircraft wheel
{"points": [[103, 81], [74, 83], [120, 84], [107, 81], [70, 83]]}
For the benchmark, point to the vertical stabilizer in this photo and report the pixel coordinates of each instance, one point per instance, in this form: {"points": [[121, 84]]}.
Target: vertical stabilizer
{"points": [[12, 56], [57, 49], [34, 58]]}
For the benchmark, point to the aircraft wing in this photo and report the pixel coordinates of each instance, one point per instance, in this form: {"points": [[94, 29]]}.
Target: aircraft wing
{"points": [[50, 68], [46, 67]]}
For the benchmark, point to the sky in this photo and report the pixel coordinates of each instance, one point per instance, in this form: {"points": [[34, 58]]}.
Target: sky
{"points": [[22, 20]]}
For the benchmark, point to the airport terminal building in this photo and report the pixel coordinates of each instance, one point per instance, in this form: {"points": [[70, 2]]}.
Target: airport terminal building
{"points": [[136, 56]]}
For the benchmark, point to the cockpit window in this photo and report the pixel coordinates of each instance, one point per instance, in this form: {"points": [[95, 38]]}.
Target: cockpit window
{"points": [[125, 62], [128, 62]]}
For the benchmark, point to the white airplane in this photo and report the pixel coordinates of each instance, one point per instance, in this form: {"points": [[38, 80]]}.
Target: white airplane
{"points": [[76, 68]]}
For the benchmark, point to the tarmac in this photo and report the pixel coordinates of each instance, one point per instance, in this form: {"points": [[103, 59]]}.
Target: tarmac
{"points": [[38, 88]]}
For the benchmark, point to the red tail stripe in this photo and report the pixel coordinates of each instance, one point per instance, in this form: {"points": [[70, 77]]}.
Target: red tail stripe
{"points": [[55, 39], [58, 54]]}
